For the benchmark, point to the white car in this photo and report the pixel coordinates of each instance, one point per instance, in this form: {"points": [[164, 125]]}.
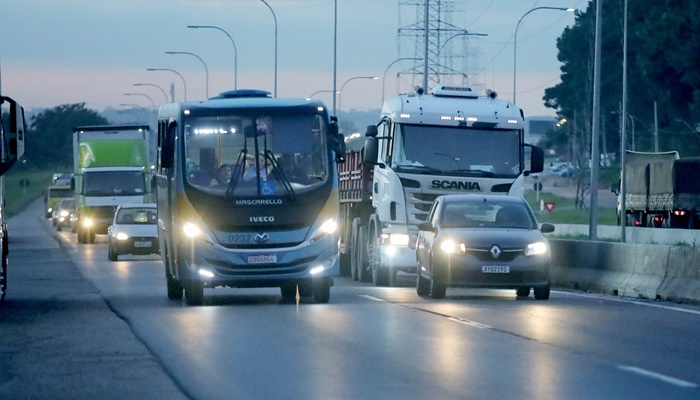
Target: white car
{"points": [[133, 231]]}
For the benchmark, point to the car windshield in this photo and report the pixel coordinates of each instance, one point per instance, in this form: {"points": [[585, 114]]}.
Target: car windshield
{"points": [[137, 216], [487, 215]]}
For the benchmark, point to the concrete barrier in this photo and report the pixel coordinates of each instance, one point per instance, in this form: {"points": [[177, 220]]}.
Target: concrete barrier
{"points": [[632, 270]]}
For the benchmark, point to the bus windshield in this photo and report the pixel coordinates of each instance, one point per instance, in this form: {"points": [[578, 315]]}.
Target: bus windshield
{"points": [[454, 150], [256, 153]]}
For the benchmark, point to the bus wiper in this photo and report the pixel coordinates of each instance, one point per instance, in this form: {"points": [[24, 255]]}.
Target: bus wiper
{"points": [[238, 171], [279, 174]]}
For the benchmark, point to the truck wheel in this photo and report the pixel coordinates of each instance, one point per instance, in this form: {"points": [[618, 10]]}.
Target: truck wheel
{"points": [[194, 293], [322, 289], [380, 276], [289, 292], [90, 237]]}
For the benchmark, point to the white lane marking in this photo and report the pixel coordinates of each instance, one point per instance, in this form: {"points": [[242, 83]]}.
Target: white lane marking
{"points": [[603, 297], [470, 323], [664, 378], [368, 297]]}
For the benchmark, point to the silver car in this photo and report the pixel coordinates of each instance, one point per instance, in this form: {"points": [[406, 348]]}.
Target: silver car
{"points": [[488, 241], [134, 230]]}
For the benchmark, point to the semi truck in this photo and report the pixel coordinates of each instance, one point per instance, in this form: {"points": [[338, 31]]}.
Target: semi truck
{"points": [[662, 190], [12, 132], [111, 167], [425, 144]]}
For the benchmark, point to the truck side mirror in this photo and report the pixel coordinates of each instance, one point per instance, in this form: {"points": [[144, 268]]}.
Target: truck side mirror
{"points": [[371, 131], [371, 151], [536, 159], [340, 149]]}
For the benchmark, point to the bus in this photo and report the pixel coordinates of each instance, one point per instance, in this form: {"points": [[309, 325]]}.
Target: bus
{"points": [[247, 195]]}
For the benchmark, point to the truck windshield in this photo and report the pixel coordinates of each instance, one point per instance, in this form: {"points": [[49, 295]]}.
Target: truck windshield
{"points": [[456, 150], [256, 154], [113, 183]]}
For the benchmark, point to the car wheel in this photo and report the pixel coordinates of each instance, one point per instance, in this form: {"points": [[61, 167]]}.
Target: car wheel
{"points": [[174, 287], [194, 293], [522, 292], [289, 292], [111, 255], [542, 293], [437, 289], [321, 289], [58, 227], [422, 285]]}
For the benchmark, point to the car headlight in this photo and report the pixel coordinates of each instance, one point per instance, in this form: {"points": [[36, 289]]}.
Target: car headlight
{"points": [[87, 222], [122, 236], [64, 213], [451, 247], [328, 227], [537, 248]]}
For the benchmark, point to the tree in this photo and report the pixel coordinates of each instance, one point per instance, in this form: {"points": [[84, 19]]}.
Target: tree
{"points": [[662, 57], [50, 136]]}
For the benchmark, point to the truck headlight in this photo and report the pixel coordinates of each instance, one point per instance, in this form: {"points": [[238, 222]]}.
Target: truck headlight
{"points": [[537, 248], [64, 213], [87, 222], [398, 239]]}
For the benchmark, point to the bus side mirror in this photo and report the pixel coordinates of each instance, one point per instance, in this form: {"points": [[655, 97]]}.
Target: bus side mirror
{"points": [[167, 151]]}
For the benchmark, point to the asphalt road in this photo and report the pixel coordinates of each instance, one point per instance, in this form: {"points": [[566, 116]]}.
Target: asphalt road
{"points": [[77, 326]]}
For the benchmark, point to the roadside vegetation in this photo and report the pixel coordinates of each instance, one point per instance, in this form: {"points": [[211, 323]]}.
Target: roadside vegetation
{"points": [[565, 211]]}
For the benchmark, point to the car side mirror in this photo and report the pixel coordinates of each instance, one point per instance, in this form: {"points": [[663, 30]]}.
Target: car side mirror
{"points": [[426, 227], [547, 228]]}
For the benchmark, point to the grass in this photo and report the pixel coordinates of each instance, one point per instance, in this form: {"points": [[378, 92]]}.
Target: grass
{"points": [[565, 211], [24, 185]]}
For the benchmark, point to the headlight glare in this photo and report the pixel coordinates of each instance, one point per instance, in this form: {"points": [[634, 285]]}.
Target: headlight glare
{"points": [[398, 239], [191, 230], [537, 248], [448, 246]]}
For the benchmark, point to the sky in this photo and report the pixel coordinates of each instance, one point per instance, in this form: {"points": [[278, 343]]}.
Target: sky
{"points": [[55, 52]]}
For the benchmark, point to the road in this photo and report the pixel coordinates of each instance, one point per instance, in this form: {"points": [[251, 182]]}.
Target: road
{"points": [[77, 326]]}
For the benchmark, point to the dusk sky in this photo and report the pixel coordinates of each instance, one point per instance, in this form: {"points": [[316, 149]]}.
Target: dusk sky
{"points": [[56, 52]]}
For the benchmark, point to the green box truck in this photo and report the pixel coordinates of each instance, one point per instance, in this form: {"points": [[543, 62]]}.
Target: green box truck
{"points": [[112, 167]]}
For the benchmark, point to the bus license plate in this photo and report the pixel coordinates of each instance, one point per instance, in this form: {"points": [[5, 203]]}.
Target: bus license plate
{"points": [[142, 244], [495, 269], [262, 259]]}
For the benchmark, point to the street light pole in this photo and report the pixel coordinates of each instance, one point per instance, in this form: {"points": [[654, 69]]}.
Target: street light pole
{"points": [[206, 70], [320, 91], [144, 95], [275, 18], [184, 85], [154, 85], [340, 92], [515, 36], [235, 51], [389, 66]]}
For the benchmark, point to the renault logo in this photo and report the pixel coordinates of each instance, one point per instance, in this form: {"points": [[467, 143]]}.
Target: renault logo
{"points": [[495, 251], [262, 237]]}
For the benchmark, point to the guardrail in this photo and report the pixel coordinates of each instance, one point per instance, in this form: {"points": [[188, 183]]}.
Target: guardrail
{"points": [[662, 272]]}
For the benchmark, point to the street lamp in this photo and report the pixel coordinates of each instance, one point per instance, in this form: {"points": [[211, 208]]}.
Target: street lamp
{"points": [[696, 129], [235, 51], [184, 85], [154, 85], [206, 70], [317, 92], [340, 92], [515, 35], [389, 66], [275, 18], [144, 95]]}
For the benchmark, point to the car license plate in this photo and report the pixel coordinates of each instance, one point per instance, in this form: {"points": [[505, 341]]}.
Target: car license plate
{"points": [[262, 259], [495, 269], [143, 244]]}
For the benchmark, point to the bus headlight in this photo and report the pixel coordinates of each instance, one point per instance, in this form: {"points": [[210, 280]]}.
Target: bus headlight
{"points": [[328, 227], [192, 231]]}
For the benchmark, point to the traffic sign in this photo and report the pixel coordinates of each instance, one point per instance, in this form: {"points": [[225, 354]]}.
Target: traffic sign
{"points": [[549, 206]]}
